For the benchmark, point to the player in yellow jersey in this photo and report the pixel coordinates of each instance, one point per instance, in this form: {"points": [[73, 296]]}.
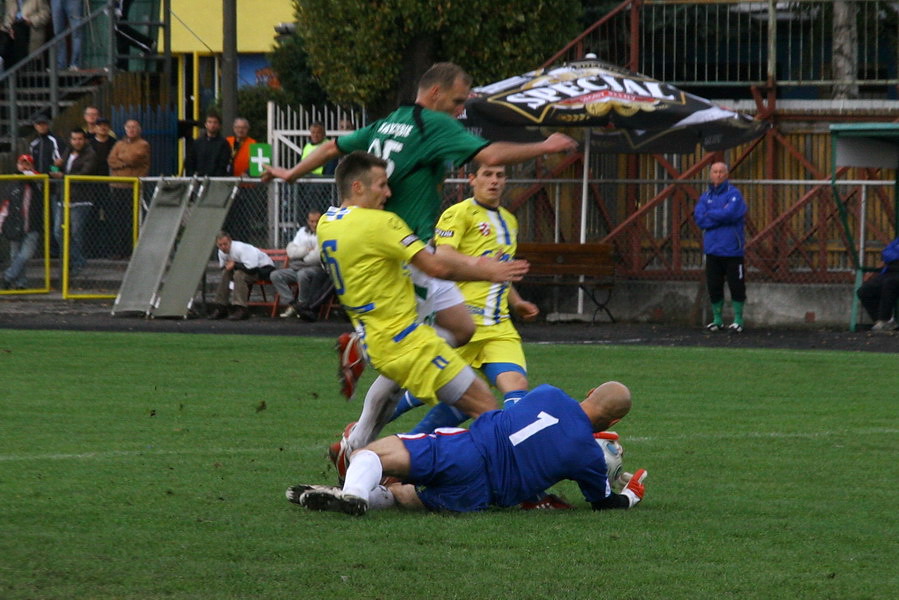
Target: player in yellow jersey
{"points": [[366, 251]]}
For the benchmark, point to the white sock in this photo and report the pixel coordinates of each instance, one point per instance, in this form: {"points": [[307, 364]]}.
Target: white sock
{"points": [[363, 475], [380, 498], [368, 427]]}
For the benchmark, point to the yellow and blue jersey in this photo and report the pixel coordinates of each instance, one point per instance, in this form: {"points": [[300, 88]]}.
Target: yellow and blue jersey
{"points": [[366, 252], [478, 230]]}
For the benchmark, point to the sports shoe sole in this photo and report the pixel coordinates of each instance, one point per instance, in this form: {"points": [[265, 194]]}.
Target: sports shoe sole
{"points": [[334, 501], [296, 492]]}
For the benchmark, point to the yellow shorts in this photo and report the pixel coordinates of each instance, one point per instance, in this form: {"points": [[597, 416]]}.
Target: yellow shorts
{"points": [[498, 343], [421, 362]]}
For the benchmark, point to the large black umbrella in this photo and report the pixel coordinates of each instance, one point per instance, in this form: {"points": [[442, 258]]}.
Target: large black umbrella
{"points": [[621, 111], [625, 111]]}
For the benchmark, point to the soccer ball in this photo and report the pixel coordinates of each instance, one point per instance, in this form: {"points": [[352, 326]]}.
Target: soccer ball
{"points": [[611, 448]]}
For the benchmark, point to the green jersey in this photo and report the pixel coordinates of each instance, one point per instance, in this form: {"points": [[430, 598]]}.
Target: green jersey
{"points": [[419, 145]]}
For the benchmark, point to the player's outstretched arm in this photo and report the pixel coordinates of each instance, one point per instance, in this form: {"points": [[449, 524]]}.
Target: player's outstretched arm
{"points": [[509, 153], [629, 497], [449, 263], [316, 159]]}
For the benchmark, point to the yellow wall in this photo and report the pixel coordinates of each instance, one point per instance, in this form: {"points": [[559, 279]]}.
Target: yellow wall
{"points": [[256, 20]]}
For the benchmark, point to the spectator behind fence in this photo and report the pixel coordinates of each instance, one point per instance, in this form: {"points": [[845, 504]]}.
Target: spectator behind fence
{"points": [[241, 264], [23, 29], [305, 270], [246, 219], [99, 227], [720, 213], [92, 118], [78, 159], [210, 154], [130, 157], [66, 14], [46, 148], [102, 141], [880, 293], [316, 139], [240, 147], [22, 224]]}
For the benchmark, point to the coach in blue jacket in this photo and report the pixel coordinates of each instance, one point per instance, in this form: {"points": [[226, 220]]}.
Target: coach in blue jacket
{"points": [[720, 214]]}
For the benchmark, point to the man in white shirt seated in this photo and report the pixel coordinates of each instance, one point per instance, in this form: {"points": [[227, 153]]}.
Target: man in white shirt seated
{"points": [[305, 270], [241, 264]]}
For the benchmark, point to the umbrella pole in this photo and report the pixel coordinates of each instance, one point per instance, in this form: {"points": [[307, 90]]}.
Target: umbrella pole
{"points": [[584, 188]]}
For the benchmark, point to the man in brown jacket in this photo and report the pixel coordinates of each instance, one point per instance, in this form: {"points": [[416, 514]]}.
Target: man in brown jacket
{"points": [[130, 157]]}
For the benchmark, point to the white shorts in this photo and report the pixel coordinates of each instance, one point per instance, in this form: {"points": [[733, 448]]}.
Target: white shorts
{"points": [[433, 295]]}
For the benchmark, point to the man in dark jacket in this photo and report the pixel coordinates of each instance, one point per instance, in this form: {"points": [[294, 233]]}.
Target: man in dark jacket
{"points": [[720, 213], [46, 147], [79, 159], [880, 293], [210, 154]]}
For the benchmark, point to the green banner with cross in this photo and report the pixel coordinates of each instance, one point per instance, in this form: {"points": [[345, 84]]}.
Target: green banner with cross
{"points": [[260, 158]]}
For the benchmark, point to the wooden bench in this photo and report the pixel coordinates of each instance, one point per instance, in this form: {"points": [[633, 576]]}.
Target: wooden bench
{"points": [[589, 266], [279, 257]]}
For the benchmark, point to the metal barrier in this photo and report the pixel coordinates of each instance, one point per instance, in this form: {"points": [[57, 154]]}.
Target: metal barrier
{"points": [[96, 223], [793, 233]]}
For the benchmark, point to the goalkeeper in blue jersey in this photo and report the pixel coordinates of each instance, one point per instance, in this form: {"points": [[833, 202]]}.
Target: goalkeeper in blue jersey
{"points": [[505, 457]]}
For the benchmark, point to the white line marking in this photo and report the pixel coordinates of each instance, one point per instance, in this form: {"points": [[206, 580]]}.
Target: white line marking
{"points": [[638, 439]]}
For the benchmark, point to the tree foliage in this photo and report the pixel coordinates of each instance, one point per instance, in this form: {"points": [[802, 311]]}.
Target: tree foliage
{"points": [[252, 104], [291, 62], [372, 52]]}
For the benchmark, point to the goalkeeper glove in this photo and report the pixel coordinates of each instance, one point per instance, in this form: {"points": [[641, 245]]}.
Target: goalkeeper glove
{"points": [[634, 489]]}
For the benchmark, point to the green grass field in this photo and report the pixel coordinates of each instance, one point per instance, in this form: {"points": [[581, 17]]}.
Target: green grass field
{"points": [[154, 466]]}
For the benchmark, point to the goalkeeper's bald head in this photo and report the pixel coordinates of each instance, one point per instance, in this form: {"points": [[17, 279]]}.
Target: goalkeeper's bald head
{"points": [[607, 404]]}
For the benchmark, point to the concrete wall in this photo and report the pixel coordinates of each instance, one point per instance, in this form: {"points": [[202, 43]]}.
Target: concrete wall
{"points": [[686, 303]]}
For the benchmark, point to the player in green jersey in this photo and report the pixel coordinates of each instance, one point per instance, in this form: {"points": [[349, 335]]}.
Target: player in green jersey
{"points": [[418, 142]]}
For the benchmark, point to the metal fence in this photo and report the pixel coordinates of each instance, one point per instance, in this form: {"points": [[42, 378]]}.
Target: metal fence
{"points": [[288, 127], [96, 224], [793, 228], [720, 43]]}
